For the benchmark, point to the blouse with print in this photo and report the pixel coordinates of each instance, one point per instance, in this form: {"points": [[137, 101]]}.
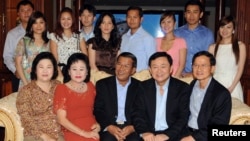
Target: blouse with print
{"points": [[66, 46], [27, 48], [35, 108], [105, 54]]}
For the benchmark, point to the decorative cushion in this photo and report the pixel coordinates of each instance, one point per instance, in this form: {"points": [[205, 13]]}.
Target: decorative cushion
{"points": [[97, 75], [142, 75], [240, 113], [10, 119]]}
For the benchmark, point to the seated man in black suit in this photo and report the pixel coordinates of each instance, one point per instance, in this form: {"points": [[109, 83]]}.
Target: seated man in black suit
{"points": [[161, 112], [115, 96], [210, 102]]}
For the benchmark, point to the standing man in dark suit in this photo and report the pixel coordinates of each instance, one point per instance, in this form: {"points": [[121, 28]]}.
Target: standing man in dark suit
{"points": [[115, 96], [162, 110], [210, 102]]}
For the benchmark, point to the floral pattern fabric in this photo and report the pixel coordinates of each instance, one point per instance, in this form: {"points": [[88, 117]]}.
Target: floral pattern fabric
{"points": [[35, 108], [66, 46], [28, 50]]}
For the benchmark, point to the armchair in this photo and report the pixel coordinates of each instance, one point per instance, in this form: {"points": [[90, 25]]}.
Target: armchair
{"points": [[14, 132]]}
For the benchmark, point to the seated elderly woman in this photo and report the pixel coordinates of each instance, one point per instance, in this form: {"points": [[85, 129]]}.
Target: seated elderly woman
{"points": [[10, 120], [34, 101]]}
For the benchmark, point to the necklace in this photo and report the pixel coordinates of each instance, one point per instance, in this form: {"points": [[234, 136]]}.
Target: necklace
{"points": [[79, 88]]}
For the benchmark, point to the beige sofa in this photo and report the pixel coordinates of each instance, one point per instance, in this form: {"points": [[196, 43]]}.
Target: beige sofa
{"points": [[14, 131]]}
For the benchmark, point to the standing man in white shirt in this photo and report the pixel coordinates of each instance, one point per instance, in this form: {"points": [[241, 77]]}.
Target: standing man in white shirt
{"points": [[24, 9], [137, 41]]}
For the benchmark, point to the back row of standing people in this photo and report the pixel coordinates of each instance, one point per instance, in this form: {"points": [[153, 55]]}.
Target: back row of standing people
{"points": [[107, 44]]}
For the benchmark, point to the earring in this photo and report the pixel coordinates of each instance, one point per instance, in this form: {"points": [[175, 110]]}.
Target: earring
{"points": [[233, 32]]}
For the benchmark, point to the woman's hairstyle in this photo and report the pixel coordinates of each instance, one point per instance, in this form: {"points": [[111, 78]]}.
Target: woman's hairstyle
{"points": [[59, 28], [114, 35], [38, 58], [32, 20], [73, 59], [165, 14], [224, 21]]}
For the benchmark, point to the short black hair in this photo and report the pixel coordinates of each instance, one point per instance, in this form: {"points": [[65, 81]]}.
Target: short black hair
{"points": [[207, 54], [38, 58], [194, 2], [88, 7], [24, 2], [73, 59], [128, 55], [139, 9], [158, 55]]}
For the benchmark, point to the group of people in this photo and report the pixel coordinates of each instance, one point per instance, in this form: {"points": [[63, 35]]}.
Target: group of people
{"points": [[57, 101]]}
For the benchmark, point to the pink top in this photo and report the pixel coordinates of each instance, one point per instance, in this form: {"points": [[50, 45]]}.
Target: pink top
{"points": [[174, 51]]}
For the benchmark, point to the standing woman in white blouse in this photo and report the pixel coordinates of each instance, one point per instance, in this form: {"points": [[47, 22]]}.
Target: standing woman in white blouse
{"points": [[230, 57], [66, 39]]}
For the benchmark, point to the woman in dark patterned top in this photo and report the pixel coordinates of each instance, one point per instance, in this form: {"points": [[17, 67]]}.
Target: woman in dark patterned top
{"points": [[104, 47]]}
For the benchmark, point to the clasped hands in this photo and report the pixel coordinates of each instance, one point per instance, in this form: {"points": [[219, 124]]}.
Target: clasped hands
{"points": [[151, 137], [120, 134]]}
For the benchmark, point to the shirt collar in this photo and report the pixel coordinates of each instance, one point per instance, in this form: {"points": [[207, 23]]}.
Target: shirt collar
{"points": [[138, 31], [165, 86], [195, 29], [118, 83], [197, 84]]}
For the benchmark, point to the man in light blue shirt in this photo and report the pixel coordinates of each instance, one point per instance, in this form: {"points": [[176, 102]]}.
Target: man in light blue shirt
{"points": [[161, 111], [137, 40], [210, 102], [197, 36], [24, 10], [87, 17]]}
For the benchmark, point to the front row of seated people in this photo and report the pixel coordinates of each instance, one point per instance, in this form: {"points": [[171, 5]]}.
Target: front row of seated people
{"points": [[119, 107]]}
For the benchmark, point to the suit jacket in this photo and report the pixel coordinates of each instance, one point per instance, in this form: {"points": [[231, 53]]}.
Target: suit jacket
{"points": [[177, 111], [215, 109], [106, 106]]}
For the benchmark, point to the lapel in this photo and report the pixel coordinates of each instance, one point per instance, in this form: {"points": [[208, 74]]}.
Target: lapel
{"points": [[171, 92], [113, 94], [131, 91], [208, 94], [151, 93]]}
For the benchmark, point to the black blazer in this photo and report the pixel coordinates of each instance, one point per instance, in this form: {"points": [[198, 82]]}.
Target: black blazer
{"points": [[106, 107], [215, 109], [177, 111]]}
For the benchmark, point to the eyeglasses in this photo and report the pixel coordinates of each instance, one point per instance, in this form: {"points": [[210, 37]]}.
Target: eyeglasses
{"points": [[202, 66]]}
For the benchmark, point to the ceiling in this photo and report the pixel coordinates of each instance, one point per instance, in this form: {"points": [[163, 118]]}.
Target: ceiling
{"points": [[209, 3]]}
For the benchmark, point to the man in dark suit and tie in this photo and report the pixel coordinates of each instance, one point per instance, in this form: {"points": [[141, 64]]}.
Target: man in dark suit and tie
{"points": [[210, 102], [162, 110], [114, 101]]}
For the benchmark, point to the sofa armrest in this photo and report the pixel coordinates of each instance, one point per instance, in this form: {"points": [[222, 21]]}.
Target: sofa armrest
{"points": [[9, 119], [240, 114]]}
